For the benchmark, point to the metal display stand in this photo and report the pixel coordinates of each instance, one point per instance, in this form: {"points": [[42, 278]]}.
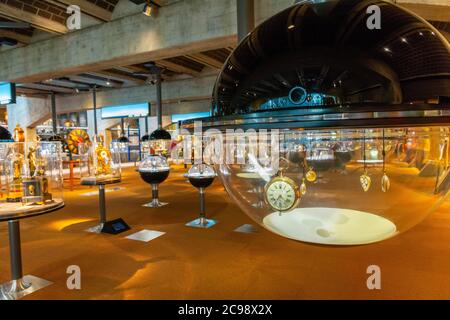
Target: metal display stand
{"points": [[202, 221], [101, 203], [21, 285], [201, 176], [155, 203]]}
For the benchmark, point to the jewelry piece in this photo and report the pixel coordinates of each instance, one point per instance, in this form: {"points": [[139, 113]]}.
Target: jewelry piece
{"points": [[311, 175], [303, 187], [385, 182], [364, 179]]}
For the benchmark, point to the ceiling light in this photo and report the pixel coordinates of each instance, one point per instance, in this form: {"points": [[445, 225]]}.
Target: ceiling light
{"points": [[108, 83], [291, 27], [404, 40], [150, 8]]}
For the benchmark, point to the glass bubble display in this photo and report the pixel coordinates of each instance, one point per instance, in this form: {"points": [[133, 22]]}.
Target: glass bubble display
{"points": [[154, 169], [408, 177], [201, 175]]}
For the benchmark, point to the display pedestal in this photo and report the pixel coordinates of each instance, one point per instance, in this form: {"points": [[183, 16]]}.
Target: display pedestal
{"points": [[202, 222], [20, 285], [105, 226], [155, 203]]}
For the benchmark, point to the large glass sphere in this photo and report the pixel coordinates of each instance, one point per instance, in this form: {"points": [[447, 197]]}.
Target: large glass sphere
{"points": [[358, 186], [154, 169]]}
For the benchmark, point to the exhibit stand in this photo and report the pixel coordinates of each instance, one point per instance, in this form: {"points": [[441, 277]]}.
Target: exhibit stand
{"points": [[154, 170], [103, 169], [21, 285], [105, 226], [201, 176]]}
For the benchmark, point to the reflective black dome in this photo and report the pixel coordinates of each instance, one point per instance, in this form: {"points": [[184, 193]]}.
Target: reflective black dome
{"points": [[323, 58], [160, 134], [5, 135]]}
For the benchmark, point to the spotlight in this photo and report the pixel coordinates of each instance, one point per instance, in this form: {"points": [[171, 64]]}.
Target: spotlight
{"points": [[150, 8]]}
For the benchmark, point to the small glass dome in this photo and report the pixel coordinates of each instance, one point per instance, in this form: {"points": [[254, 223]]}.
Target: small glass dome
{"points": [[103, 164], [154, 169], [201, 175], [30, 174]]}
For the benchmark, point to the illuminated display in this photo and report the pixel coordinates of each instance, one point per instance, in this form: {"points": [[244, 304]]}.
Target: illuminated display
{"points": [[123, 111], [188, 116], [7, 93]]}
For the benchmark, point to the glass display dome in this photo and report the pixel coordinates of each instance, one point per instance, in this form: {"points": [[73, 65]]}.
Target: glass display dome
{"points": [[103, 164], [366, 184], [159, 142], [356, 117], [30, 174], [154, 169], [201, 175]]}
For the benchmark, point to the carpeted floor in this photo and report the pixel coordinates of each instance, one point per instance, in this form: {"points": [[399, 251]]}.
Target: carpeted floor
{"points": [[217, 263]]}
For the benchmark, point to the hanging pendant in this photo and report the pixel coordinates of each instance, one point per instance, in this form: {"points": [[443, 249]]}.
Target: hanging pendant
{"points": [[303, 187], [385, 183], [311, 175], [365, 181]]}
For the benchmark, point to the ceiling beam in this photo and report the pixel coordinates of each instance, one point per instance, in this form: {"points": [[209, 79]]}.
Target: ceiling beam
{"points": [[36, 21], [90, 9], [21, 38], [45, 87], [177, 67], [117, 76], [206, 60], [93, 81]]}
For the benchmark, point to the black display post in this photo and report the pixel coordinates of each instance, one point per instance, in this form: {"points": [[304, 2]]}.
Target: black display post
{"points": [[115, 226]]}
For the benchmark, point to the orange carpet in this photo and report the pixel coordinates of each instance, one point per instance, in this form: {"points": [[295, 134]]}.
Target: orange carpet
{"points": [[217, 263]]}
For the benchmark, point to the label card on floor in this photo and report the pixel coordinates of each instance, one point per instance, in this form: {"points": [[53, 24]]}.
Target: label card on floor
{"points": [[246, 228], [145, 235]]}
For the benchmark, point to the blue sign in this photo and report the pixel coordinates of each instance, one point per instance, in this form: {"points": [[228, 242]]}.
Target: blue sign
{"points": [[138, 110], [7, 93]]}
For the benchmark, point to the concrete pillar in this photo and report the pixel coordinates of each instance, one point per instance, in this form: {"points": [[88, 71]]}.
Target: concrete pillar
{"points": [[245, 17]]}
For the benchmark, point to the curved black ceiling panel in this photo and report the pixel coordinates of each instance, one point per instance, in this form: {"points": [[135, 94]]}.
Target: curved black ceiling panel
{"points": [[328, 51]]}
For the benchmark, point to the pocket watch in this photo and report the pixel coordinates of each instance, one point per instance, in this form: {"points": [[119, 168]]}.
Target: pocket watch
{"points": [[282, 194]]}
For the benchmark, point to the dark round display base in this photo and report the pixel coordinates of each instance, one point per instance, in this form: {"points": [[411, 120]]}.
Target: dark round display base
{"points": [[201, 182], [154, 177]]}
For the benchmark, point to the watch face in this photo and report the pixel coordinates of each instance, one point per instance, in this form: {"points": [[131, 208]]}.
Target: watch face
{"points": [[282, 194]]}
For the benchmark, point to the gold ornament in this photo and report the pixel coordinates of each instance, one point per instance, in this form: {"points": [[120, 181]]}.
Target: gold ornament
{"points": [[103, 160], [75, 139], [311, 175], [385, 183], [303, 187], [366, 181]]}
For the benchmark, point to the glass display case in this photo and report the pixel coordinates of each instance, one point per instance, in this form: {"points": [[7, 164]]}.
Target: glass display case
{"points": [[357, 186], [201, 176], [361, 117], [31, 174], [159, 142], [103, 164], [154, 170]]}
